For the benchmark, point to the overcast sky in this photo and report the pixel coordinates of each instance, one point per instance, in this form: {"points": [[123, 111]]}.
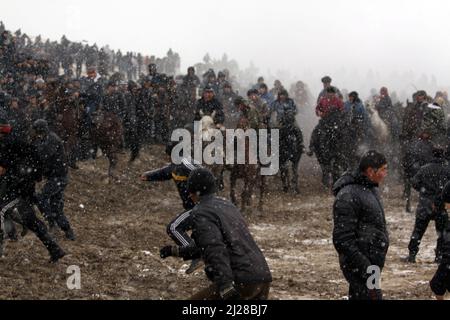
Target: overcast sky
{"points": [[320, 36]]}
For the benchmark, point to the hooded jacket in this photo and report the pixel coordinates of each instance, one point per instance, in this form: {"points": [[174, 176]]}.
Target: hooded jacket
{"points": [[360, 235]]}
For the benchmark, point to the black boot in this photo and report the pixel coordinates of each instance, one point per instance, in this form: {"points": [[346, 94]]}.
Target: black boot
{"points": [[70, 235], [56, 254], [411, 258]]}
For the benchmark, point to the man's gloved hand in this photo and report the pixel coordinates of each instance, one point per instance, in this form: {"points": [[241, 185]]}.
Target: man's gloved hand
{"points": [[229, 292], [168, 251]]}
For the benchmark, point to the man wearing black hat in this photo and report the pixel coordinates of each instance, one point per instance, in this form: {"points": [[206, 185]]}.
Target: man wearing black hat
{"points": [[441, 280], [413, 117], [234, 263], [51, 199], [208, 105], [20, 169], [92, 96], [326, 81]]}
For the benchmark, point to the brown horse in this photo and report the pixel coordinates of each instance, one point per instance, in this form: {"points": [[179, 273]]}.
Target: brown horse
{"points": [[107, 134], [64, 118], [249, 173], [67, 128]]}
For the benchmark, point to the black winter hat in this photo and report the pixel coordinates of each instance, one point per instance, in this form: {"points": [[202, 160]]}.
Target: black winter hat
{"points": [[201, 182], [41, 126], [326, 79], [240, 100]]}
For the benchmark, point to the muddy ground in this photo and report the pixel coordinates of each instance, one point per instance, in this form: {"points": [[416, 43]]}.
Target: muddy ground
{"points": [[121, 226]]}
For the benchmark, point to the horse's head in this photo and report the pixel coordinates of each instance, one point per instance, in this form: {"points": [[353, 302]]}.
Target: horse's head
{"points": [[370, 107], [208, 126]]}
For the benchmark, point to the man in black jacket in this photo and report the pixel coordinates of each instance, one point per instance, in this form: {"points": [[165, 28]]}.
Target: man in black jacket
{"points": [[209, 105], [234, 262], [429, 181], [441, 280], [177, 229], [360, 235], [51, 200], [20, 169]]}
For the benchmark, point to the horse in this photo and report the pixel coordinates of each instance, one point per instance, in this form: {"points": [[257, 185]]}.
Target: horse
{"points": [[67, 126], [208, 128], [329, 142], [107, 134], [291, 150], [247, 172]]}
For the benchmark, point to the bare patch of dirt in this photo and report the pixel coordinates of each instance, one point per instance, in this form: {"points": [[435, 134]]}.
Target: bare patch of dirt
{"points": [[121, 226]]}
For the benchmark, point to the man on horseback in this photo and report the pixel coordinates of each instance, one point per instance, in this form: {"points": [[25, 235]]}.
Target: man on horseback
{"points": [[92, 95], [283, 113], [249, 118], [359, 126], [326, 81], [329, 137], [385, 108], [261, 106], [208, 105], [423, 126]]}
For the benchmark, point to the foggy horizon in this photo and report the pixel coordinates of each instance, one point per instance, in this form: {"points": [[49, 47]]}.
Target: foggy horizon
{"points": [[291, 41]]}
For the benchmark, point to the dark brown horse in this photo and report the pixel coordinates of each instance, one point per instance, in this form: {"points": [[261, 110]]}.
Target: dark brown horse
{"points": [[63, 115], [67, 128], [107, 134], [249, 173]]}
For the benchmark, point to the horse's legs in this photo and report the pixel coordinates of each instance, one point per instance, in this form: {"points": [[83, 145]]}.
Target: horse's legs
{"points": [[295, 166], [220, 182], [262, 189], [246, 194], [233, 179], [325, 175], [407, 194], [284, 172], [249, 181], [112, 158]]}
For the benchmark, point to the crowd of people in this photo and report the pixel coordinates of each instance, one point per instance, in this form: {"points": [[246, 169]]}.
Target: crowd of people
{"points": [[52, 117]]}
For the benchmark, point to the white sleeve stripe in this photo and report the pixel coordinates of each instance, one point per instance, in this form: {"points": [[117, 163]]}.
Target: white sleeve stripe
{"points": [[176, 223]]}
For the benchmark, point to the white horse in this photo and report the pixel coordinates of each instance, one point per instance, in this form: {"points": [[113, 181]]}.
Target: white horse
{"points": [[207, 132], [380, 128]]}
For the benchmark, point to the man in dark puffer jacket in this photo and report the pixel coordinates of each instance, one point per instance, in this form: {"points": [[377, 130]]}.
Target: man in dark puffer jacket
{"points": [[360, 235]]}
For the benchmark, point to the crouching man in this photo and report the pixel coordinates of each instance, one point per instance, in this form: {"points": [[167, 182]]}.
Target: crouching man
{"points": [[360, 235], [233, 261]]}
